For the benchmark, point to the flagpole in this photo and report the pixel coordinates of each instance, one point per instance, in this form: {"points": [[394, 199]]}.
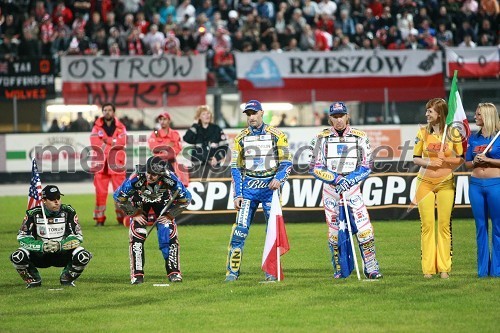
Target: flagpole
{"points": [[277, 241], [491, 143]]}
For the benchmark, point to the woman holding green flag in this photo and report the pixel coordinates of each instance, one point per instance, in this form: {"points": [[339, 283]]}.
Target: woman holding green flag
{"points": [[437, 158]]}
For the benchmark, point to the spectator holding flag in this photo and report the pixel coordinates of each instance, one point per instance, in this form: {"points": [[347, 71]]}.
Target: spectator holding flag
{"points": [[483, 157], [437, 155]]}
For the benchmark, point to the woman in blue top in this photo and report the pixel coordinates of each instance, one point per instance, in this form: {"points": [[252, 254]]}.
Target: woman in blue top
{"points": [[484, 193]]}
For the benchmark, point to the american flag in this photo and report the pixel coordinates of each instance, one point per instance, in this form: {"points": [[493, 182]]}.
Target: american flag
{"points": [[35, 192]]}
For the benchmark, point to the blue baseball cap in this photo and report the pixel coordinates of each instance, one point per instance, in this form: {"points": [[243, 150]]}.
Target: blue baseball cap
{"points": [[253, 105], [338, 108]]}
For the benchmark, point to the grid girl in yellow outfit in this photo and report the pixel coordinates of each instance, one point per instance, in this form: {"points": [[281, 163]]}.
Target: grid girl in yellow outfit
{"points": [[435, 182]]}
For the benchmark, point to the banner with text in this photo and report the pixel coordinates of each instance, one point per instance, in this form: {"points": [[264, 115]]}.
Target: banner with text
{"points": [[363, 75], [27, 79], [388, 196], [134, 81], [479, 62]]}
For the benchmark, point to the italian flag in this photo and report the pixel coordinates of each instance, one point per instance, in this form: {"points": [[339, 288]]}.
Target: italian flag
{"points": [[456, 114], [276, 240]]}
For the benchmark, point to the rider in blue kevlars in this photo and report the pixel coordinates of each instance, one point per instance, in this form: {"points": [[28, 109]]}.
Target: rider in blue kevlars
{"points": [[260, 165], [143, 197]]}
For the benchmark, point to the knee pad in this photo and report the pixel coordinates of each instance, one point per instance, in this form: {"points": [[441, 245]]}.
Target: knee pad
{"points": [[240, 233], [137, 234], [80, 257], [20, 258], [364, 236], [164, 235]]}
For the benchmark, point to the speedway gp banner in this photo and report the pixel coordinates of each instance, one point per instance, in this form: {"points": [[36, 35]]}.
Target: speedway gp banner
{"points": [[27, 79], [387, 195], [134, 81], [479, 62], [364, 75]]}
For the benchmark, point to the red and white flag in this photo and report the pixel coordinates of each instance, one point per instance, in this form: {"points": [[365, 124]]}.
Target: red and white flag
{"points": [[276, 240], [479, 62]]}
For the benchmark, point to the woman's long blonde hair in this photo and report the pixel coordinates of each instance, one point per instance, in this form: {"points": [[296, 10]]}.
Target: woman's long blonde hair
{"points": [[203, 108], [491, 121], [441, 107]]}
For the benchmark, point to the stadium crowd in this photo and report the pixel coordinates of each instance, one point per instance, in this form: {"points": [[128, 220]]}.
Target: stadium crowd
{"points": [[218, 28]]}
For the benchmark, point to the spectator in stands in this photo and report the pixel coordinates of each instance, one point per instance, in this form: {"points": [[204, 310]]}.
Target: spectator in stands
{"points": [[172, 45], [59, 47], [62, 11], [306, 41], [154, 38], [101, 42], [187, 41], [490, 7], [30, 46], [94, 25], [444, 18], [132, 6], [40, 11], [486, 29], [185, 8], [8, 50], [467, 42], [297, 22], [82, 9], [128, 25], [412, 42], [80, 44], [116, 38], [310, 10], [444, 36], [47, 35], [111, 22], [465, 29], [135, 44], [321, 40], [245, 7], [405, 23], [206, 8], [224, 65], [265, 9], [142, 23], [327, 7], [326, 23], [167, 10], [346, 23]]}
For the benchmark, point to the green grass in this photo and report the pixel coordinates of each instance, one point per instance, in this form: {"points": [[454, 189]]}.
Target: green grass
{"points": [[308, 300]]}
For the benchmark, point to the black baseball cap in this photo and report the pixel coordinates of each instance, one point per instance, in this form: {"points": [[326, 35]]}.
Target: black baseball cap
{"points": [[51, 192]]}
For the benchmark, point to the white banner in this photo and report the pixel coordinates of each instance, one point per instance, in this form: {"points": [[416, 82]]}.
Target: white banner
{"points": [[344, 64], [132, 68]]}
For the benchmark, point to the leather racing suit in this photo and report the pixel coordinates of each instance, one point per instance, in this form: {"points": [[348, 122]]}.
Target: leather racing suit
{"points": [[347, 156], [259, 156], [137, 196]]}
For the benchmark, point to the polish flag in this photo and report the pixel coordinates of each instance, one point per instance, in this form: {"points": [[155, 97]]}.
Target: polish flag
{"points": [[479, 62], [276, 240]]}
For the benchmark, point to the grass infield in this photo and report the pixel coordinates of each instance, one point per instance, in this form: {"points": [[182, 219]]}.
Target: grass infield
{"points": [[308, 300]]}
